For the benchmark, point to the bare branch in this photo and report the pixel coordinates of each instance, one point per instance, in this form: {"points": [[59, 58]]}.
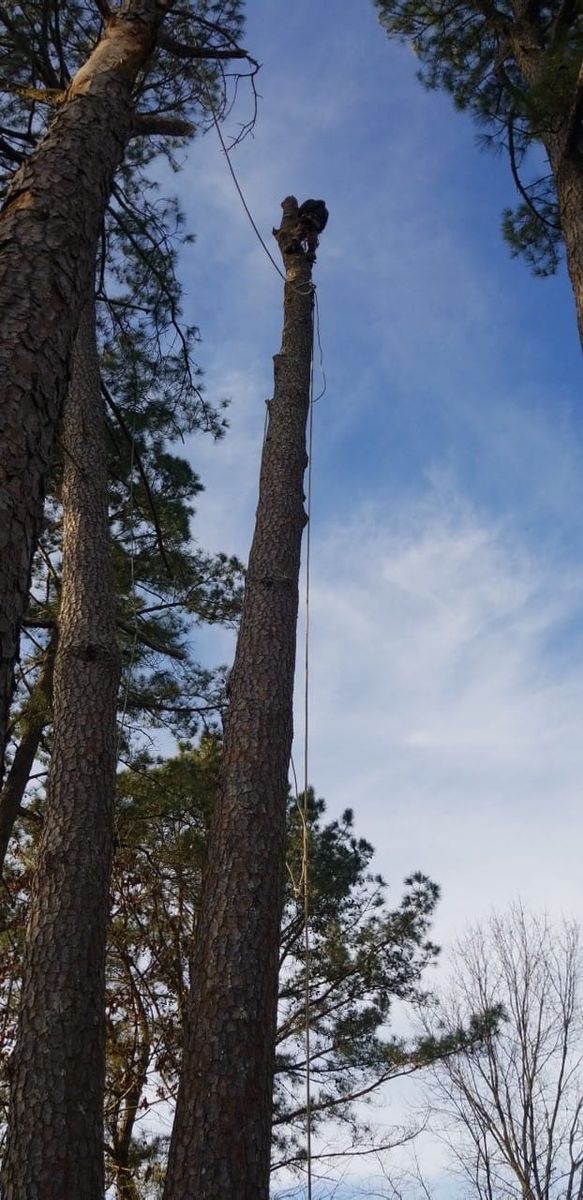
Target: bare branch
{"points": [[512, 1108], [51, 96]]}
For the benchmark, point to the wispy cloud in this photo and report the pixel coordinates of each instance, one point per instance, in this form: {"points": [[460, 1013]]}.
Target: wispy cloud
{"points": [[443, 707]]}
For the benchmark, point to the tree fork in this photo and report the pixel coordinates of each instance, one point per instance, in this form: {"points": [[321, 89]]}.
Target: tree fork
{"points": [[55, 1125], [222, 1131]]}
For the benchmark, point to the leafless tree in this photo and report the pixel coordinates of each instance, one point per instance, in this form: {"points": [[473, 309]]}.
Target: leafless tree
{"points": [[513, 1107]]}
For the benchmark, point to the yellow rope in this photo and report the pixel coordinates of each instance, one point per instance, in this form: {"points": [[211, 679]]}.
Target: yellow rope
{"points": [[301, 887]]}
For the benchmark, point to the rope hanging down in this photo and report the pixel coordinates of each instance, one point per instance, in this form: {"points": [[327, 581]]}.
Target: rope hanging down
{"points": [[302, 886], [240, 190], [305, 822]]}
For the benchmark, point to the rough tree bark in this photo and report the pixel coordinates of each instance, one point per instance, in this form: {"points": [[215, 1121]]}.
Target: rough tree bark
{"points": [[49, 228], [222, 1131], [55, 1138], [561, 140], [568, 172]]}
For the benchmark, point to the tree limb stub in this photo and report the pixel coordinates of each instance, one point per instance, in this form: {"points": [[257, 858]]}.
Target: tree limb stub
{"points": [[183, 50], [162, 126]]}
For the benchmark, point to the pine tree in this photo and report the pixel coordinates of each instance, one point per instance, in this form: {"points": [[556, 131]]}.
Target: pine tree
{"points": [[63, 985], [517, 67], [55, 1123], [49, 232], [152, 389], [366, 954], [83, 801], [60, 1078]]}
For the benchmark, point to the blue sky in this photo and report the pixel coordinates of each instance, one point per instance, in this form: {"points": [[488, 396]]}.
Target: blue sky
{"points": [[447, 531]]}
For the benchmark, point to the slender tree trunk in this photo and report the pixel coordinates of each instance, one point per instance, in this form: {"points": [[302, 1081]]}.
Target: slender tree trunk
{"points": [[568, 172], [125, 1186], [565, 158], [35, 720], [132, 1085], [222, 1132], [55, 1139], [49, 228]]}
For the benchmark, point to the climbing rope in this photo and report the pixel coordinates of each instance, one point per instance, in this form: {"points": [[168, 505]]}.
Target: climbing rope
{"points": [[301, 886], [226, 152], [305, 822]]}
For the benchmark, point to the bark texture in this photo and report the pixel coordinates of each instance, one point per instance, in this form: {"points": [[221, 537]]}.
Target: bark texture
{"points": [[222, 1132], [55, 1139], [49, 228], [562, 142], [568, 172]]}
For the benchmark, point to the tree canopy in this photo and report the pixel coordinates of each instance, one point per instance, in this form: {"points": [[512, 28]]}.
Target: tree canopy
{"points": [[516, 69]]}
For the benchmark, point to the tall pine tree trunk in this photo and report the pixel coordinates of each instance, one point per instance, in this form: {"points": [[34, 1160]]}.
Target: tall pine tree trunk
{"points": [[222, 1132], [568, 172], [49, 228], [55, 1138]]}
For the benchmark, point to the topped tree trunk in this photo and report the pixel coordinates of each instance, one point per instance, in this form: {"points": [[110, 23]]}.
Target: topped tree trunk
{"points": [[222, 1132]]}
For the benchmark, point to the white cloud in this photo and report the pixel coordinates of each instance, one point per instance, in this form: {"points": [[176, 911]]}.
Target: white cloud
{"points": [[439, 710]]}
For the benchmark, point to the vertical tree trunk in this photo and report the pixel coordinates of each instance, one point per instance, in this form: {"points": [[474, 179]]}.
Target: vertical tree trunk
{"points": [[128, 1092], [36, 718], [568, 171], [221, 1140], [560, 142], [55, 1139], [125, 1188], [49, 228]]}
